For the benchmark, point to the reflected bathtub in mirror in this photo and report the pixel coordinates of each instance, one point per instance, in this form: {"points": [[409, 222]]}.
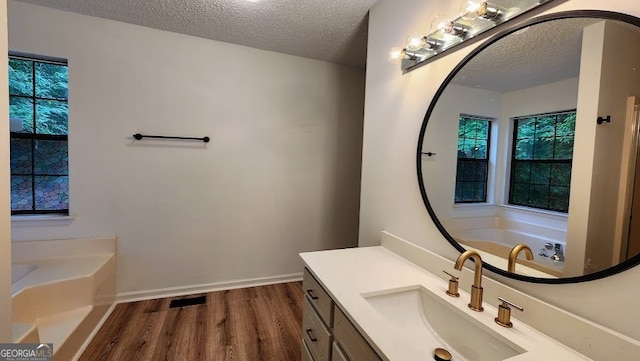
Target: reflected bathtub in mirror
{"points": [[497, 236], [519, 157]]}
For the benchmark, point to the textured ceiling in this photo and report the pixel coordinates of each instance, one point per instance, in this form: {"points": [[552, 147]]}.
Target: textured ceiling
{"points": [[542, 54], [330, 30]]}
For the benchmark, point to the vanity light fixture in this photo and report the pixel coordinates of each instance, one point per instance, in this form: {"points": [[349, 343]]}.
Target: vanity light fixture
{"points": [[473, 9], [443, 24], [476, 17], [397, 55], [417, 49], [416, 42]]}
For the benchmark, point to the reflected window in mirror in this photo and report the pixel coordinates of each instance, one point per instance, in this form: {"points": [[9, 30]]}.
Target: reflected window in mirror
{"points": [[541, 160], [474, 133]]}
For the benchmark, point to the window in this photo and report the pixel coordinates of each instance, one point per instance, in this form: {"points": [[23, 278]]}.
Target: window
{"points": [[38, 116], [473, 159], [541, 160]]}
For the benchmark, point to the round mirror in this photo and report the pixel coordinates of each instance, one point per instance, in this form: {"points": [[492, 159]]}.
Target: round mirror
{"points": [[528, 151]]}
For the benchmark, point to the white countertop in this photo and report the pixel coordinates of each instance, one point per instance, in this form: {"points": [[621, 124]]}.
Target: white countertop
{"points": [[348, 273]]}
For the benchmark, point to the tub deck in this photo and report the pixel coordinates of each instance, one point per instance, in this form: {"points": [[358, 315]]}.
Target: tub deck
{"points": [[63, 289]]}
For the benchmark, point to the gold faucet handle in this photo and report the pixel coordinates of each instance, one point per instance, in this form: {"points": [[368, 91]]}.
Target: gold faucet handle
{"points": [[453, 285], [504, 313]]}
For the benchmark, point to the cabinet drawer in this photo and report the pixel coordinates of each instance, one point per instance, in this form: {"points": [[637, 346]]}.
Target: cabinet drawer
{"points": [[318, 297], [336, 353], [315, 334], [355, 347], [306, 355]]}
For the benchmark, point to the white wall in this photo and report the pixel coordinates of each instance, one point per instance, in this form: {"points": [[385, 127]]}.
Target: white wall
{"points": [[441, 137], [280, 176], [5, 197], [620, 78], [582, 174], [395, 105]]}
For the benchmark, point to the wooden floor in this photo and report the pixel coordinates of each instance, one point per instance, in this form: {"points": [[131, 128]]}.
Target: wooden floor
{"points": [[250, 324]]}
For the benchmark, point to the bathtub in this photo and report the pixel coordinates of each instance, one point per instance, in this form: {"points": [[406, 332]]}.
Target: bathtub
{"points": [[19, 270]]}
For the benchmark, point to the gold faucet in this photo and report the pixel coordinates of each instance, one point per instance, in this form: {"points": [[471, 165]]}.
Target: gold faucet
{"points": [[476, 289], [513, 256]]}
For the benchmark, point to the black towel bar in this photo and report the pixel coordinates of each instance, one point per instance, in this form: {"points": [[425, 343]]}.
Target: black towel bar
{"points": [[139, 136]]}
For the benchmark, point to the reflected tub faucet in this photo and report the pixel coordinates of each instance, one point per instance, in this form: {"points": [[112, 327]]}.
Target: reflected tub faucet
{"points": [[558, 254], [513, 256]]}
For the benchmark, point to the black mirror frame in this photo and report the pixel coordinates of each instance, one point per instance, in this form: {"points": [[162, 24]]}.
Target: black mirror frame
{"points": [[599, 14]]}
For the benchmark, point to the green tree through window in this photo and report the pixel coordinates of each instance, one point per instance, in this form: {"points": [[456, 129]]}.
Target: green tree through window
{"points": [[541, 160], [38, 112], [473, 159]]}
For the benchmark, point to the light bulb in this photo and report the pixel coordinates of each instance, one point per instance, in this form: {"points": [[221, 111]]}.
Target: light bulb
{"points": [[471, 9], [395, 55], [415, 42], [446, 26], [441, 22]]}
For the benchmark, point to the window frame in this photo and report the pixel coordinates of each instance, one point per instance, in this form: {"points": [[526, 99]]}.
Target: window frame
{"points": [[33, 137], [513, 161], [486, 160]]}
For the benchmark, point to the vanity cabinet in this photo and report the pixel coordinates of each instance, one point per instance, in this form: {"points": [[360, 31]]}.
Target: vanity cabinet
{"points": [[306, 354], [327, 333]]}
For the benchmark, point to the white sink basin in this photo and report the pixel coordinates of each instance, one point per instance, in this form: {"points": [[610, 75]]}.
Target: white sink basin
{"points": [[428, 320]]}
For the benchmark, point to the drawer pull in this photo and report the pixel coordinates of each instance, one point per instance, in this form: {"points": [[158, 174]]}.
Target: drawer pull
{"points": [[310, 293], [313, 339]]}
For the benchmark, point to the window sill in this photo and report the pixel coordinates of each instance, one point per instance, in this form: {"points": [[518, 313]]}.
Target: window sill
{"points": [[474, 205], [41, 220], [530, 210]]}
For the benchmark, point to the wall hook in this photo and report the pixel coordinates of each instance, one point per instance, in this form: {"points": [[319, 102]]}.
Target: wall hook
{"points": [[602, 120], [430, 154]]}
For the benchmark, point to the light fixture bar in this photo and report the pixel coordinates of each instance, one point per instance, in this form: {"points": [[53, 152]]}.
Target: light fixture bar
{"points": [[476, 17]]}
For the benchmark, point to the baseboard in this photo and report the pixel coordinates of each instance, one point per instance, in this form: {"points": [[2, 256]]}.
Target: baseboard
{"points": [[202, 288], [93, 333]]}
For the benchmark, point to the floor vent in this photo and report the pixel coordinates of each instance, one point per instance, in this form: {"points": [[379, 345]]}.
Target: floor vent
{"points": [[200, 300]]}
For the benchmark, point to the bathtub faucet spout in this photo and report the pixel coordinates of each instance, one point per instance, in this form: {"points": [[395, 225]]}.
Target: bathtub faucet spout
{"points": [[513, 256]]}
